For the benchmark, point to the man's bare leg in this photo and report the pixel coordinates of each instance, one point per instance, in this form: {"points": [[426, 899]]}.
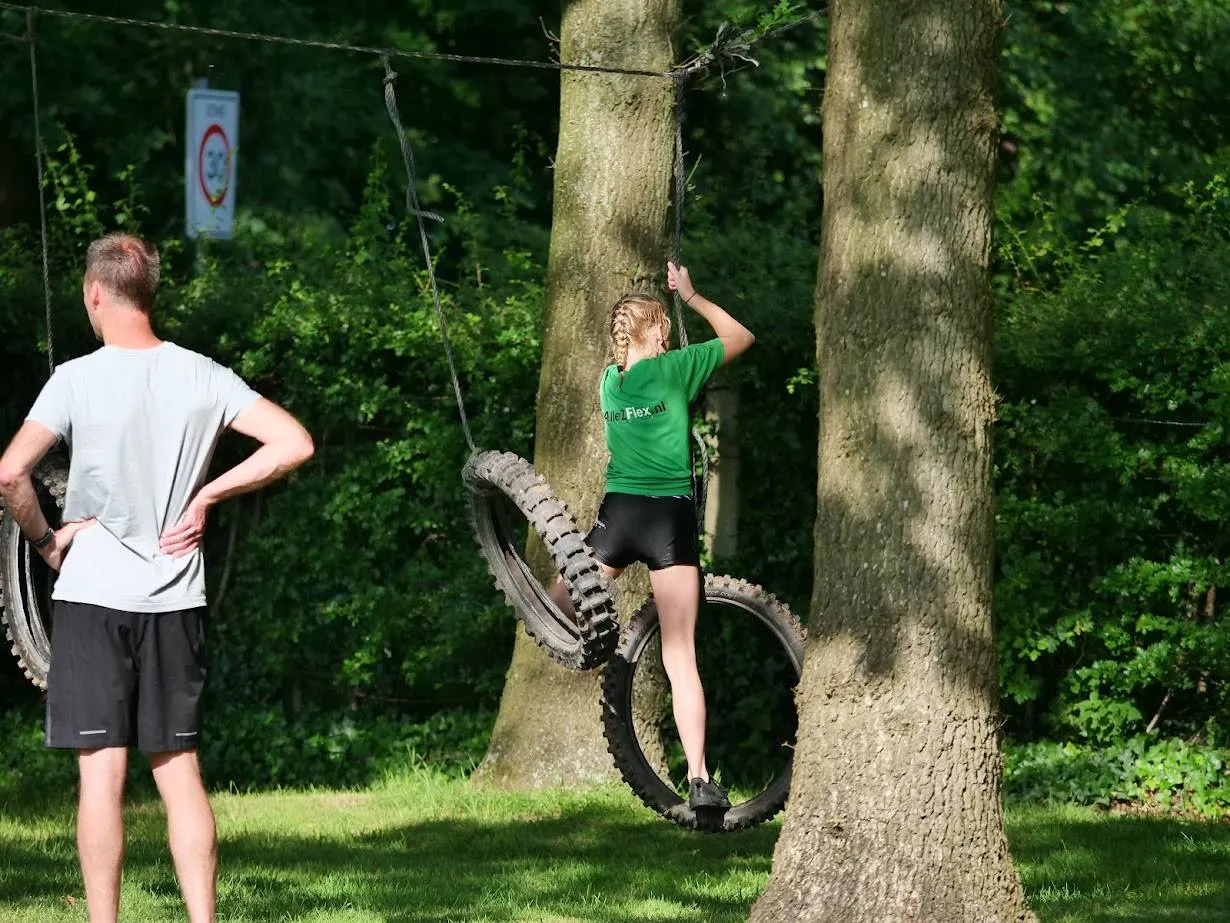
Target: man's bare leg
{"points": [[190, 830], [100, 829]]}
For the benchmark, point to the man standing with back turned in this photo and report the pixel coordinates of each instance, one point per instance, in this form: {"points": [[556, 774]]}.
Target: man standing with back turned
{"points": [[142, 417]]}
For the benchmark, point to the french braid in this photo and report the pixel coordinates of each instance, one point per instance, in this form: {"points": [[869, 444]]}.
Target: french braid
{"points": [[631, 320]]}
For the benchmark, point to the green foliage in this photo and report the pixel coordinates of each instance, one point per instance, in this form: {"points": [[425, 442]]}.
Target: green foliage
{"points": [[309, 116], [1106, 103], [1111, 474], [251, 748], [247, 748], [1166, 774], [27, 768]]}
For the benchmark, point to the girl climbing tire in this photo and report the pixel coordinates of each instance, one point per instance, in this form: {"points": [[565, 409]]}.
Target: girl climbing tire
{"points": [[504, 488], [781, 638], [26, 580]]}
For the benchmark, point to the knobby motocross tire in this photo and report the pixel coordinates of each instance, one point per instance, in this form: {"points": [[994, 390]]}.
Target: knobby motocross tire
{"points": [[496, 479], [617, 686], [26, 580]]}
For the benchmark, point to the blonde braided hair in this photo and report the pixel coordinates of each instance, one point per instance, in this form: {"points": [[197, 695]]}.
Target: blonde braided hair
{"points": [[632, 319]]}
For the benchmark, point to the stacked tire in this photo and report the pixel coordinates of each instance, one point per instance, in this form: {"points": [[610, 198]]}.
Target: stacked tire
{"points": [[503, 489]]}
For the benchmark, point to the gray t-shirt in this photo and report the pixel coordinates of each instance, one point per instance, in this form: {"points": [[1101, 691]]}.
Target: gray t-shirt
{"points": [[141, 425]]}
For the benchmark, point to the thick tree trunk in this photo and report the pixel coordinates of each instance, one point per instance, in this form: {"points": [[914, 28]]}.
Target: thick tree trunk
{"points": [[608, 237], [895, 813]]}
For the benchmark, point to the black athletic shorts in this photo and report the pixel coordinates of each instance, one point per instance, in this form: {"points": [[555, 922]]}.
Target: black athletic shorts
{"points": [[660, 531], [124, 679]]}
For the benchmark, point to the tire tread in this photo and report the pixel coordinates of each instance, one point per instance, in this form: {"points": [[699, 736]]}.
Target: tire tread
{"points": [[487, 475]]}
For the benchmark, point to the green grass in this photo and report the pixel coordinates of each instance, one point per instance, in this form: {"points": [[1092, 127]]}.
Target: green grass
{"points": [[422, 848], [1081, 865]]}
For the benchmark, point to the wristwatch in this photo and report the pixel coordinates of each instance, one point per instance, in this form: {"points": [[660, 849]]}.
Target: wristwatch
{"points": [[46, 540]]}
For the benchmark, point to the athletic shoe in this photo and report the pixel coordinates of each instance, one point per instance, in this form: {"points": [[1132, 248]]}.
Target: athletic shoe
{"points": [[702, 794]]}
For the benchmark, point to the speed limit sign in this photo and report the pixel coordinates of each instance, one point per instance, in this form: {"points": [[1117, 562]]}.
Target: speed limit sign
{"points": [[210, 162]]}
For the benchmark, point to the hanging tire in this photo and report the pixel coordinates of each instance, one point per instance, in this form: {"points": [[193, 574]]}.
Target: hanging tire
{"points": [[504, 489], [26, 580], [780, 638]]}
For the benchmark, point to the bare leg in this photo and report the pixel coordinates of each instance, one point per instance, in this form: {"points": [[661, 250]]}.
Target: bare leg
{"points": [[677, 592], [100, 829], [559, 590], [190, 830]]}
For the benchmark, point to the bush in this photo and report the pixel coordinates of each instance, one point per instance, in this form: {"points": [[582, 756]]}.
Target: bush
{"points": [[245, 748], [1145, 772], [28, 770]]}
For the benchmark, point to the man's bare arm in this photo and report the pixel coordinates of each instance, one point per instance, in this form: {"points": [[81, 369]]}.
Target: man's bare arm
{"points": [[28, 447], [31, 443], [285, 445]]}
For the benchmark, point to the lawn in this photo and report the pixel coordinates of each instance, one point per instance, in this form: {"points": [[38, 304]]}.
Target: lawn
{"points": [[425, 848]]}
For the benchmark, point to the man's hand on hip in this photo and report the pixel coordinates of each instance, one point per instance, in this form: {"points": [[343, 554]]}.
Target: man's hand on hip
{"points": [[185, 536], [55, 552]]}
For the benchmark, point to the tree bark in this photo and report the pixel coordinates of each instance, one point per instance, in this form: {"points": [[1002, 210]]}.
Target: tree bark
{"points": [[896, 812], [609, 236]]}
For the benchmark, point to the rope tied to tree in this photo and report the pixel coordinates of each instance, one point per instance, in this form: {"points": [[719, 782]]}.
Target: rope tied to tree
{"points": [[42, 199], [732, 45], [413, 207]]}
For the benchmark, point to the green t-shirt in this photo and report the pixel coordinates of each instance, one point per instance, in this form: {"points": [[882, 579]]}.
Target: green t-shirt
{"points": [[646, 414]]}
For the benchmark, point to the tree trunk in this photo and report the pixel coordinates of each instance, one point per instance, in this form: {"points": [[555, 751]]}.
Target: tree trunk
{"points": [[896, 813], [608, 237]]}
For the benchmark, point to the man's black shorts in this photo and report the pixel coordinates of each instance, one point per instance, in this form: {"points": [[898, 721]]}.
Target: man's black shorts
{"points": [[121, 679], [660, 531]]}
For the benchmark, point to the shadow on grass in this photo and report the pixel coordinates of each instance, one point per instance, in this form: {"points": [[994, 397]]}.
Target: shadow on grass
{"points": [[1102, 868], [599, 862], [587, 863]]}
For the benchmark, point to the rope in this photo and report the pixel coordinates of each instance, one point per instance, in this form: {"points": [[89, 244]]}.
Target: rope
{"points": [[680, 192], [727, 44], [701, 484], [42, 199], [413, 206], [1160, 422], [334, 46]]}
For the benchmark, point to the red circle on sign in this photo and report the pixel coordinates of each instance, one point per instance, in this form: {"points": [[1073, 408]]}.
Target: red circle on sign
{"points": [[214, 199]]}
